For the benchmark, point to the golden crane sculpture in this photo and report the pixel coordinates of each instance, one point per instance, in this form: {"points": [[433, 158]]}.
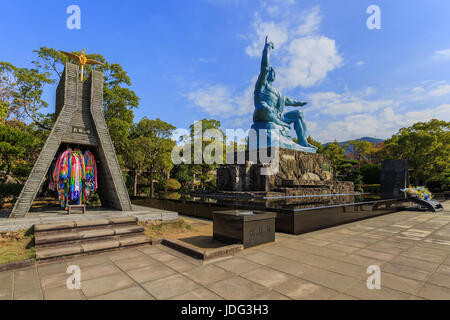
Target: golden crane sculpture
{"points": [[82, 60]]}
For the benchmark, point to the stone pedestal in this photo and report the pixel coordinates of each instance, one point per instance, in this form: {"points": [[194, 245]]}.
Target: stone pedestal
{"points": [[295, 173], [246, 227]]}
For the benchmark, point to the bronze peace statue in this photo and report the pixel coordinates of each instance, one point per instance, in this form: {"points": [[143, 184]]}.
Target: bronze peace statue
{"points": [[270, 112]]}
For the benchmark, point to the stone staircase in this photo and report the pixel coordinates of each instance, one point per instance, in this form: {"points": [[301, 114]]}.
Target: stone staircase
{"points": [[78, 237]]}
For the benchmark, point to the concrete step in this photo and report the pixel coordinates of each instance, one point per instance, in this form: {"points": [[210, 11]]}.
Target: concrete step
{"points": [[89, 246], [77, 237], [46, 227], [46, 238]]}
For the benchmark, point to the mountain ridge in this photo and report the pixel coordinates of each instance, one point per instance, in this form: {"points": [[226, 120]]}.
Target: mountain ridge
{"points": [[350, 146]]}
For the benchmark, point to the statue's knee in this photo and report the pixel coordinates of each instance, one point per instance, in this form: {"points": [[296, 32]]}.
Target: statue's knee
{"points": [[298, 114]]}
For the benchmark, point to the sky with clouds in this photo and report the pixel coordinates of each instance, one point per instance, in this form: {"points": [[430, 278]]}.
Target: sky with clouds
{"points": [[197, 59]]}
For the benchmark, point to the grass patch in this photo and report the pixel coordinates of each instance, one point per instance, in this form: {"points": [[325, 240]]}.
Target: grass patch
{"points": [[158, 229], [16, 246]]}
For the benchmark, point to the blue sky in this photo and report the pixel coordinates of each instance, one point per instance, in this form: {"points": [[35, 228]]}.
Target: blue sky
{"points": [[190, 60]]}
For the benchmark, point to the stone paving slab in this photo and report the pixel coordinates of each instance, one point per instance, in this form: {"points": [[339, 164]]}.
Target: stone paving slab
{"points": [[171, 286], [132, 293], [62, 293], [327, 264], [299, 289], [6, 285]]}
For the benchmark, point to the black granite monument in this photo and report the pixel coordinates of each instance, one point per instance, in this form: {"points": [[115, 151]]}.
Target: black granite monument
{"points": [[246, 227], [394, 177]]}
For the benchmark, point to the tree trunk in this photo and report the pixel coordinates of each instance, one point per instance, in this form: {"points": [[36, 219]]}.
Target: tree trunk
{"points": [[9, 167], [152, 193], [135, 182]]}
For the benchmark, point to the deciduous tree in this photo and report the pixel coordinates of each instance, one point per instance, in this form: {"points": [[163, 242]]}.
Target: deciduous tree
{"points": [[426, 146]]}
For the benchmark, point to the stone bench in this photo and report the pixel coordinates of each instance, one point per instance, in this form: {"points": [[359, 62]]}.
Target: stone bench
{"points": [[82, 207]]}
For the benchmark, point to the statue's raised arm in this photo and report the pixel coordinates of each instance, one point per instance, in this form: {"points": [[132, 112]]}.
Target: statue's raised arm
{"points": [[266, 55], [265, 64]]}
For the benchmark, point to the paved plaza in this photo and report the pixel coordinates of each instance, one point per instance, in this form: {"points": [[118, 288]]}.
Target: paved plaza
{"points": [[411, 248]]}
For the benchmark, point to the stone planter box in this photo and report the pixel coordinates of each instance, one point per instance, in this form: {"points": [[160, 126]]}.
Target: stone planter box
{"points": [[251, 228]]}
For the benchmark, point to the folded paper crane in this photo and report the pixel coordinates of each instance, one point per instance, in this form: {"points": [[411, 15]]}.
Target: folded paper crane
{"points": [[82, 60]]}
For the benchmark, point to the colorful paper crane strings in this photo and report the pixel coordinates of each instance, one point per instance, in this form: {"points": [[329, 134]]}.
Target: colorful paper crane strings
{"points": [[74, 177]]}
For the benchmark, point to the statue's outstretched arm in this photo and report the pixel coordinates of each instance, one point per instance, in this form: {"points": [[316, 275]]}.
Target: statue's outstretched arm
{"points": [[265, 64], [294, 103]]}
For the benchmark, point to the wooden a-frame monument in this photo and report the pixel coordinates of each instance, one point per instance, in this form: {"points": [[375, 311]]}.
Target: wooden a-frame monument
{"points": [[79, 122]]}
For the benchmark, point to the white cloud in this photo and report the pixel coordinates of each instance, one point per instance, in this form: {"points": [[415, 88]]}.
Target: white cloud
{"points": [[441, 90], [369, 91], [441, 112], [427, 90], [272, 10], [311, 20], [442, 54], [360, 63], [305, 56], [308, 61], [220, 101], [215, 100], [382, 124], [418, 90], [332, 103], [277, 33]]}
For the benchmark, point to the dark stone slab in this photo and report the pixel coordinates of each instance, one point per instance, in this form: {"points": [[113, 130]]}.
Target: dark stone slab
{"points": [[247, 227], [308, 220], [394, 176]]}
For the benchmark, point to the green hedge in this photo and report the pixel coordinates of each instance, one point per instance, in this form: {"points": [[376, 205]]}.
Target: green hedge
{"points": [[372, 188], [172, 185], [371, 173], [10, 189]]}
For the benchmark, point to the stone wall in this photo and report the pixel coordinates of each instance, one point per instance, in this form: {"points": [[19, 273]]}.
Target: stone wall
{"points": [[298, 172]]}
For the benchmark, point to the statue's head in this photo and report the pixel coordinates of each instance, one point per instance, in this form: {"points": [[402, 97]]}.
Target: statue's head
{"points": [[272, 75]]}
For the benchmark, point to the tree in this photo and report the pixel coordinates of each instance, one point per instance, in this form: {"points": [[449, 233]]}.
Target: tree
{"points": [[157, 148], [426, 146], [371, 173], [349, 171], [315, 143], [336, 154], [134, 158], [21, 92], [362, 151], [19, 147], [184, 174], [204, 171]]}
